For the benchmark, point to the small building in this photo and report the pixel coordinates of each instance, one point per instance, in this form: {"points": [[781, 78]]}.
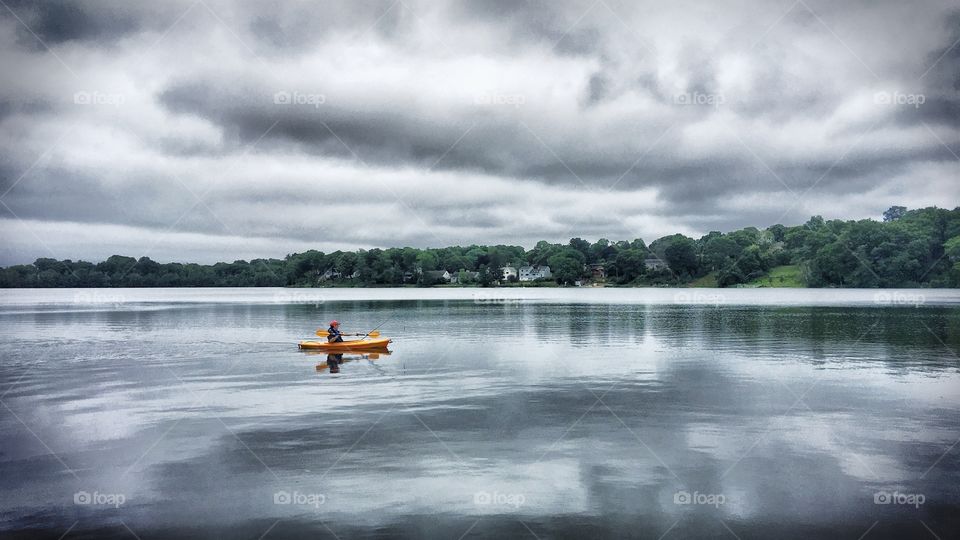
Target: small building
{"points": [[329, 274], [532, 273], [655, 263], [597, 271], [507, 272], [433, 276]]}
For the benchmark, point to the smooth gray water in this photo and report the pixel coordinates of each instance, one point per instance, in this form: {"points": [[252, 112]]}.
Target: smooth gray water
{"points": [[536, 413]]}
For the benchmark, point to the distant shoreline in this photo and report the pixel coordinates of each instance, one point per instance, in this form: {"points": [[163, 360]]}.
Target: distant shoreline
{"points": [[910, 248], [478, 287]]}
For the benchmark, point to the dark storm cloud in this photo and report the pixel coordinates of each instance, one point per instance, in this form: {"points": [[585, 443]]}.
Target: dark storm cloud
{"points": [[536, 22], [467, 121], [941, 82], [494, 144], [10, 108], [67, 195], [300, 24], [376, 136], [58, 21], [935, 110], [500, 145]]}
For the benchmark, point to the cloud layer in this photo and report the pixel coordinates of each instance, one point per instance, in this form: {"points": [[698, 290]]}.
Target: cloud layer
{"points": [[208, 130]]}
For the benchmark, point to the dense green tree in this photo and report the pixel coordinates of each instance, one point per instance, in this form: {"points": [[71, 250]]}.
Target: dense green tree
{"points": [[629, 265], [427, 261], [778, 231], [487, 276], [566, 267], [602, 250], [541, 252], [582, 246], [679, 252], [720, 252], [952, 248], [347, 263], [894, 213]]}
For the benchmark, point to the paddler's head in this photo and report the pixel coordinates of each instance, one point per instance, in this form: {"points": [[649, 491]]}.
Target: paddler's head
{"points": [[335, 324]]}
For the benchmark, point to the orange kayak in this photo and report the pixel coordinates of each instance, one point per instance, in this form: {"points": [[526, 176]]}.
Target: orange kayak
{"points": [[353, 345]]}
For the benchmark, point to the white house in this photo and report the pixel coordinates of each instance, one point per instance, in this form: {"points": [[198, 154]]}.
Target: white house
{"points": [[530, 273], [329, 274], [654, 263], [508, 272], [431, 276]]}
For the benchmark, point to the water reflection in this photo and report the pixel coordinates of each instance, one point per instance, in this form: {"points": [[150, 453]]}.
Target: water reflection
{"points": [[572, 420], [333, 361]]}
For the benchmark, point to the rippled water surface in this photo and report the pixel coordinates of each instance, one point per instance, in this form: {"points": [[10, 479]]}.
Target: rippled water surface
{"points": [[498, 413]]}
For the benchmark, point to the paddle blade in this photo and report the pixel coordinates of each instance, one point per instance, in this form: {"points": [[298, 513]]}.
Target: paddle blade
{"points": [[375, 333], [321, 332]]}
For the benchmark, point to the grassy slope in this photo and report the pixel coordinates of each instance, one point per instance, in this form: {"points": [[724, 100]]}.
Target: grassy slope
{"points": [[709, 280], [780, 276]]}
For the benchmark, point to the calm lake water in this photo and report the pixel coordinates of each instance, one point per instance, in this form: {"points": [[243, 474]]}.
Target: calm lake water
{"points": [[538, 413]]}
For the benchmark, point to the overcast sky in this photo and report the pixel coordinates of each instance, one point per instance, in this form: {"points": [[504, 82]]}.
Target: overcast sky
{"points": [[206, 130]]}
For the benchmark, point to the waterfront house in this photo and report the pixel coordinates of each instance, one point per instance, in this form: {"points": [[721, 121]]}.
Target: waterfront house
{"points": [[531, 273], [597, 271], [329, 274], [433, 276], [655, 263]]}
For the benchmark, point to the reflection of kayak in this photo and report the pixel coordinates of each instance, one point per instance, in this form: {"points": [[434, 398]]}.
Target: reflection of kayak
{"points": [[346, 356], [353, 345], [371, 354]]}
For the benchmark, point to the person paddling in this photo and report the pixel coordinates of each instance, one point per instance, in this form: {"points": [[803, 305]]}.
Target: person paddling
{"points": [[333, 333]]}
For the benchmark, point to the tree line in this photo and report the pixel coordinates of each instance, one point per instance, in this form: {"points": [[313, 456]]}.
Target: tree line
{"points": [[909, 248]]}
